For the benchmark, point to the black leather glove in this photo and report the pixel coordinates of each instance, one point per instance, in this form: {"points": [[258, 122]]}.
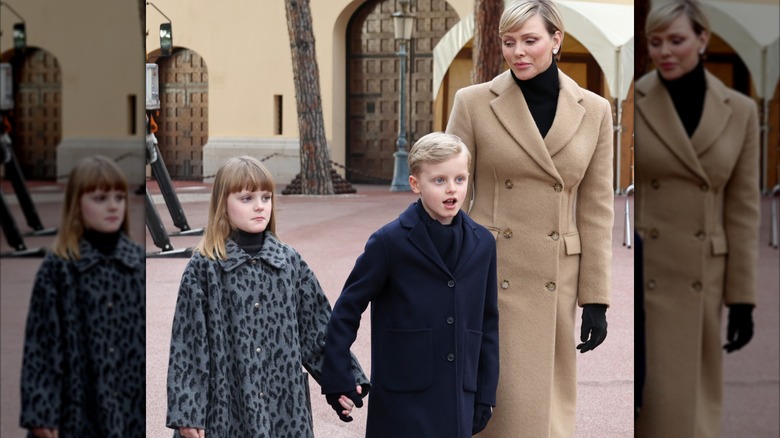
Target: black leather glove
{"points": [[740, 329], [333, 401], [594, 323], [482, 414]]}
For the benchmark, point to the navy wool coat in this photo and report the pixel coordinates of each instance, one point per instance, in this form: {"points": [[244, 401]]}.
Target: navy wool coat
{"points": [[434, 333], [244, 329], [84, 366]]}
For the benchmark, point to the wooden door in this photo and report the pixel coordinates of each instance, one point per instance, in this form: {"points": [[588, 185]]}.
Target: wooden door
{"points": [[373, 83], [183, 119]]}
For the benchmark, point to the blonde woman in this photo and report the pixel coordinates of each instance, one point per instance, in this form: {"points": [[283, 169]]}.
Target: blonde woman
{"points": [[84, 369], [250, 314], [542, 168], [697, 210]]}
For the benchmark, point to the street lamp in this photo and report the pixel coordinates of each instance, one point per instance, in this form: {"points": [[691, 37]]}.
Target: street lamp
{"points": [[403, 22]]}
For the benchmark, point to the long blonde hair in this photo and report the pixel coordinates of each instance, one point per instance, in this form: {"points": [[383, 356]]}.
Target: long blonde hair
{"points": [[237, 174], [91, 173]]}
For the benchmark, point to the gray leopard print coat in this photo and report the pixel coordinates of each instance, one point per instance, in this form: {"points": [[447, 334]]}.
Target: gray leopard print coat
{"points": [[242, 330], [84, 363]]}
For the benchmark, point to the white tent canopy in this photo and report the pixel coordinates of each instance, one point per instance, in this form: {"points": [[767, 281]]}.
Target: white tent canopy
{"points": [[605, 29], [752, 29]]}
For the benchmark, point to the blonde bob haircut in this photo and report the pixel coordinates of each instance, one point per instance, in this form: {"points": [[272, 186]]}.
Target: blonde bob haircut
{"points": [[661, 16], [516, 14], [237, 174], [90, 174], [435, 148]]}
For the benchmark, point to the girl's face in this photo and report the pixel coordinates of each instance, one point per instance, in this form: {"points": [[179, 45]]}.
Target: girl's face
{"points": [[528, 50], [675, 49], [250, 211], [103, 210]]}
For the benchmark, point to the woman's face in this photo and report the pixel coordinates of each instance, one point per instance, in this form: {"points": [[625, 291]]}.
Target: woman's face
{"points": [[675, 49], [528, 50]]}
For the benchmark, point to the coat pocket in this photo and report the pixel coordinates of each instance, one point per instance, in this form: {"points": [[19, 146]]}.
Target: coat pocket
{"points": [[572, 242], [407, 360], [471, 350], [720, 245]]}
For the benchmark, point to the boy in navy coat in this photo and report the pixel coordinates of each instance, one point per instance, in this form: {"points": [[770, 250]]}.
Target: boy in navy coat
{"points": [[430, 277]]}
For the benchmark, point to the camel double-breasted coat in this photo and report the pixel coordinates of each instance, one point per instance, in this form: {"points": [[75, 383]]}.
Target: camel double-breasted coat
{"points": [[697, 209], [549, 203]]}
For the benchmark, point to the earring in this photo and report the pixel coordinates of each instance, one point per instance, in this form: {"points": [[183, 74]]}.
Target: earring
{"points": [[555, 51], [701, 51]]}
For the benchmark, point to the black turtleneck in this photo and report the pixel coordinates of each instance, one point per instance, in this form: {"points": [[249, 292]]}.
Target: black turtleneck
{"points": [[105, 243], [251, 243], [687, 93], [541, 94], [447, 239]]}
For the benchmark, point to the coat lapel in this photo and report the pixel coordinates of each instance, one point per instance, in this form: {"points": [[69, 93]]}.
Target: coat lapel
{"points": [[419, 238], [714, 118], [470, 241], [657, 108], [568, 115], [512, 111]]}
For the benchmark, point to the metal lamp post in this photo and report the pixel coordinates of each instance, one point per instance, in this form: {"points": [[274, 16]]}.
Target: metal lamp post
{"points": [[404, 23]]}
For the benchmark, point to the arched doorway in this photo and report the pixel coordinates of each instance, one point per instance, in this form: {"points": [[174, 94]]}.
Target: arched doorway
{"points": [[37, 116], [183, 118], [373, 83]]}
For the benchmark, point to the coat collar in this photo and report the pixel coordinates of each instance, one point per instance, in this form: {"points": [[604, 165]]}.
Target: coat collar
{"points": [[127, 254], [655, 104], [419, 238], [272, 253], [512, 111]]}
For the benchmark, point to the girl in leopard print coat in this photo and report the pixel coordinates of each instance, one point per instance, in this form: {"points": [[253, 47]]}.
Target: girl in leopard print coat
{"points": [[250, 314], [84, 369]]}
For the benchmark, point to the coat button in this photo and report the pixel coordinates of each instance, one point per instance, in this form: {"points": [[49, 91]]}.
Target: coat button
{"points": [[254, 262], [450, 320], [508, 233], [655, 184], [653, 233], [257, 305], [110, 304], [554, 235], [509, 184], [704, 187], [701, 235], [651, 284], [505, 284], [450, 357], [557, 187], [697, 286], [257, 350], [451, 283], [550, 286]]}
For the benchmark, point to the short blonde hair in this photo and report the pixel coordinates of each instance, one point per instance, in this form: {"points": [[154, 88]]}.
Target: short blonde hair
{"points": [[237, 174], [664, 13], [90, 174], [516, 14], [435, 148]]}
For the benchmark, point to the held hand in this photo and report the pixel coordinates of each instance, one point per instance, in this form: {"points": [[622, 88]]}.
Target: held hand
{"points": [[191, 432], [594, 323], [482, 414], [740, 328], [45, 432], [343, 403]]}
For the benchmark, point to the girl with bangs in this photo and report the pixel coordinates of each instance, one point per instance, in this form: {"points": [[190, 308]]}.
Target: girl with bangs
{"points": [[84, 369], [249, 315]]}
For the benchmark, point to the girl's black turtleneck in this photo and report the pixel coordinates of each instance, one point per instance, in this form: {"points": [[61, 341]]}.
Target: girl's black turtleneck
{"points": [[249, 242], [541, 94], [687, 93], [105, 243]]}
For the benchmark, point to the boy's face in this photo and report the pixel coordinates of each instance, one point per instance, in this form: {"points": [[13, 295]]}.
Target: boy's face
{"points": [[250, 211], [103, 211], [442, 187]]}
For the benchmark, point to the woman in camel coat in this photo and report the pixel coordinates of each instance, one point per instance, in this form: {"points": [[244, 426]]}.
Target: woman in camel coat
{"points": [[541, 144], [697, 210]]}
